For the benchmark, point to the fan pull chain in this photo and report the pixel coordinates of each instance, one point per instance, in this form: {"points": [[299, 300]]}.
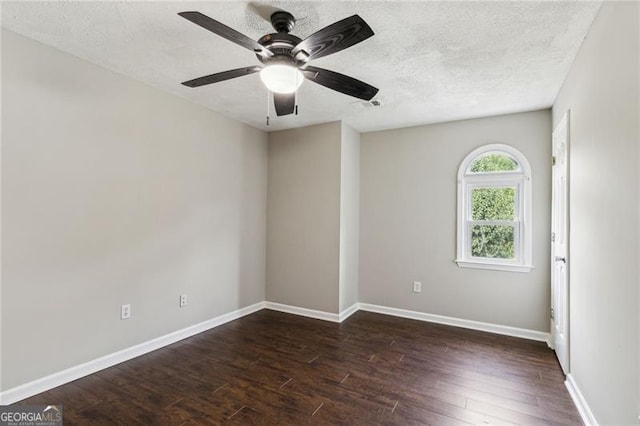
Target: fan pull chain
{"points": [[268, 93], [297, 91]]}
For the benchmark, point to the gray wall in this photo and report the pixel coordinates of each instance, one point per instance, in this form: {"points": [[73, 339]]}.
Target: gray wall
{"points": [[349, 216], [303, 217], [113, 193], [601, 91], [408, 222]]}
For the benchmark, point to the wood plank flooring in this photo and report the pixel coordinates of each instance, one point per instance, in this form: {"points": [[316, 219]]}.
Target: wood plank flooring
{"points": [[273, 368]]}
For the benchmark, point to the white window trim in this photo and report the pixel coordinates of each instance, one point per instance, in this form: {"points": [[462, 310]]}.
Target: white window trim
{"points": [[522, 180]]}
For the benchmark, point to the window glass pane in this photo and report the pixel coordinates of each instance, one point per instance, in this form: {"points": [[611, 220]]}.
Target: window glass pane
{"points": [[493, 203], [492, 241], [494, 162]]}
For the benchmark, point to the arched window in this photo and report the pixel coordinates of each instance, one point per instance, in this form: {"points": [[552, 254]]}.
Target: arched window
{"points": [[494, 210]]}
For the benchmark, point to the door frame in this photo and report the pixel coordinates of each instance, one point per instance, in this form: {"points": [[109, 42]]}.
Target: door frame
{"points": [[563, 126]]}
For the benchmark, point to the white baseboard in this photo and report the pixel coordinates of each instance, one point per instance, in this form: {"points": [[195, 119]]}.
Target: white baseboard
{"points": [[304, 312], [579, 401], [45, 383], [348, 312], [457, 322], [49, 382]]}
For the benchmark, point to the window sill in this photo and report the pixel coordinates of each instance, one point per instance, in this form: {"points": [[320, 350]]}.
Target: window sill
{"points": [[494, 266]]}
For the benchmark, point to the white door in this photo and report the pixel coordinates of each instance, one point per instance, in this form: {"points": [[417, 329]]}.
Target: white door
{"points": [[559, 244]]}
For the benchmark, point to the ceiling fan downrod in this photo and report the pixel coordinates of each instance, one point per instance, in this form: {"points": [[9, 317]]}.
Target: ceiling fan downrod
{"points": [[283, 22]]}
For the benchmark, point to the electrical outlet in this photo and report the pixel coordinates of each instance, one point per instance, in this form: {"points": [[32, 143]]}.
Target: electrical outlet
{"points": [[417, 286], [125, 311], [183, 300]]}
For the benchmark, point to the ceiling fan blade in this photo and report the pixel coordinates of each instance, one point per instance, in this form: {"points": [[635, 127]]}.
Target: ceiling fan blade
{"points": [[226, 32], [340, 83], [285, 103], [221, 76], [334, 38]]}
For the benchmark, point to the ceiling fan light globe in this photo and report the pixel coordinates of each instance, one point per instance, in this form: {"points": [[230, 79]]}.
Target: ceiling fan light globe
{"points": [[281, 78]]}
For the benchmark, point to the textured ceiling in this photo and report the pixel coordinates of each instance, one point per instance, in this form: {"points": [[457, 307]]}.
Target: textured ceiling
{"points": [[432, 61]]}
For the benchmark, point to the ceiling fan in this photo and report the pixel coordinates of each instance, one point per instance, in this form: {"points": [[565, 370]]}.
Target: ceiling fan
{"points": [[284, 57]]}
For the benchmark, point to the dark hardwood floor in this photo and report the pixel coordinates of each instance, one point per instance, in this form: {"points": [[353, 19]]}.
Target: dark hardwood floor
{"points": [[272, 368]]}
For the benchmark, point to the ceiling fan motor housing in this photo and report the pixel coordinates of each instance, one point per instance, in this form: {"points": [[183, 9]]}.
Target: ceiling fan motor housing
{"points": [[281, 44]]}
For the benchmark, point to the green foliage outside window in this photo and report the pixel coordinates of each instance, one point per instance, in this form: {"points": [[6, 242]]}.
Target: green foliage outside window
{"points": [[492, 241], [493, 204], [493, 163]]}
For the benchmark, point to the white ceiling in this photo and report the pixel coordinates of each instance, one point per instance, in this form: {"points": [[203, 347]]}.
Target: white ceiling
{"points": [[432, 61]]}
